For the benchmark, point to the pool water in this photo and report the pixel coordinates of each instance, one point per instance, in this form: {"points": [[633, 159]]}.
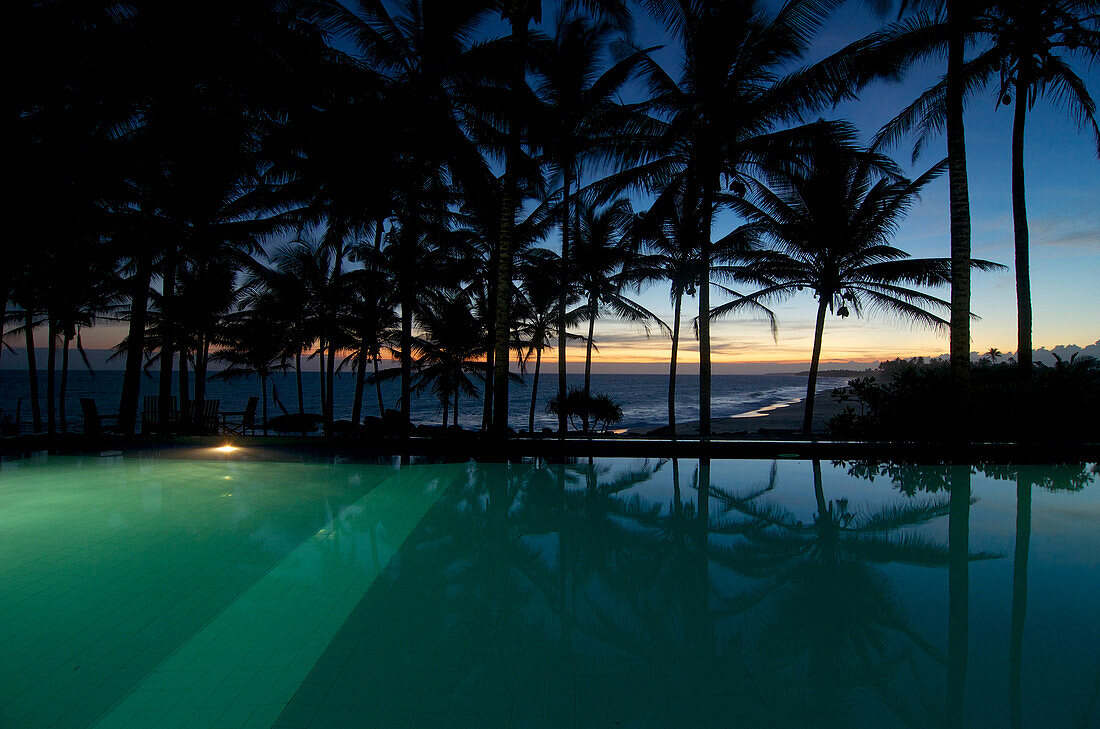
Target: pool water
{"points": [[219, 591]]}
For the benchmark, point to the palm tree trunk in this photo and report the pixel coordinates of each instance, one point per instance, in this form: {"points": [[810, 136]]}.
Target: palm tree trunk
{"points": [[200, 371], [378, 390], [51, 376], [168, 333], [563, 296], [263, 388], [406, 363], [360, 383], [330, 385], [503, 325], [815, 362], [135, 340], [535, 391], [592, 307], [456, 409], [490, 363], [185, 385], [960, 217], [958, 627], [321, 374], [819, 491], [32, 369], [446, 409], [1019, 224], [1019, 600], [5, 292], [709, 183], [298, 381], [64, 384], [672, 362]]}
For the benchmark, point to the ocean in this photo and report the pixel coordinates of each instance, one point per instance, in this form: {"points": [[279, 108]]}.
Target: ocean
{"points": [[644, 398]]}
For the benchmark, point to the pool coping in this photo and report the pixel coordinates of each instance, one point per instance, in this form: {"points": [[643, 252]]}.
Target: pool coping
{"points": [[484, 448]]}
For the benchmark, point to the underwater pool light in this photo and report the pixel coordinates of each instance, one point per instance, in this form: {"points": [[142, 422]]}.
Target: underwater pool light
{"points": [[227, 448]]}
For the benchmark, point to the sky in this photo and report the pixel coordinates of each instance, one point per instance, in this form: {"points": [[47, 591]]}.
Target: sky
{"points": [[1063, 186]]}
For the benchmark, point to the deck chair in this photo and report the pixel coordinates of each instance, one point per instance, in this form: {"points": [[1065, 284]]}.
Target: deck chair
{"points": [[247, 421], [93, 421], [204, 417], [150, 415]]}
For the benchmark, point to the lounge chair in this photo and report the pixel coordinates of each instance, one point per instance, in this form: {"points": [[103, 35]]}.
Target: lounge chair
{"points": [[247, 421], [93, 421], [203, 417], [150, 415]]}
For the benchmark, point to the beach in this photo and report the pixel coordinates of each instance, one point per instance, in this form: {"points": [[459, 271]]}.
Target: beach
{"points": [[779, 419]]}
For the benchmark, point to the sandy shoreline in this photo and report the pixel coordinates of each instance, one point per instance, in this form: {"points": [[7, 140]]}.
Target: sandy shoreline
{"points": [[766, 420]]}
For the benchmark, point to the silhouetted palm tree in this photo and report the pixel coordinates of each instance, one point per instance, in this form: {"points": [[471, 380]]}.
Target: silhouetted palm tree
{"points": [[577, 121], [602, 249], [667, 234], [251, 345], [1030, 44], [519, 15], [446, 353], [476, 237], [936, 26], [719, 120], [827, 222], [372, 319], [539, 315]]}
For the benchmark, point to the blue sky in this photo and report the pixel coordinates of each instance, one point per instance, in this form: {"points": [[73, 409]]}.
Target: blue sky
{"points": [[1063, 179]]}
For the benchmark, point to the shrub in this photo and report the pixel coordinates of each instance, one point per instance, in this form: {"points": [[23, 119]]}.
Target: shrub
{"points": [[600, 409], [911, 400]]}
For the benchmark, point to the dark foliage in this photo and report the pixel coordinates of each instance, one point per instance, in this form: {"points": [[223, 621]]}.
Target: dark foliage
{"points": [[908, 399], [598, 409]]}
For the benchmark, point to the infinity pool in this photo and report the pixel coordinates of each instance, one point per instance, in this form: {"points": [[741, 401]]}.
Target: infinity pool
{"points": [[158, 591]]}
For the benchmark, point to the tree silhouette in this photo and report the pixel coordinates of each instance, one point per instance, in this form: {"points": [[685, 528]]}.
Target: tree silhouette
{"points": [[826, 223]]}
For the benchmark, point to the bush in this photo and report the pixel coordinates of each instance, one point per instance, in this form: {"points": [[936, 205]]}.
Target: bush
{"points": [[911, 400], [600, 410]]}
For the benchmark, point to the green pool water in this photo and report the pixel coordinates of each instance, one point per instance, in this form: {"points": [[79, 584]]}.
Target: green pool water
{"points": [[160, 591]]}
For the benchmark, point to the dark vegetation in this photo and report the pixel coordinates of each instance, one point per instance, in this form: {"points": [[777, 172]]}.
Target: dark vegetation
{"points": [[907, 399]]}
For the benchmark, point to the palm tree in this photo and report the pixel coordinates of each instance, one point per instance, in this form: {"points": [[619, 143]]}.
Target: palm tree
{"points": [[1030, 45], [577, 121], [82, 290], [519, 15], [539, 315], [288, 291], [826, 222], [1035, 38], [603, 248], [994, 354], [191, 141], [446, 353], [724, 117], [26, 294], [372, 319], [667, 235], [936, 26], [251, 345], [423, 50], [476, 237]]}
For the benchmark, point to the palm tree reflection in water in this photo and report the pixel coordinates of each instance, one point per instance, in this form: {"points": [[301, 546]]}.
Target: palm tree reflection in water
{"points": [[699, 601]]}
